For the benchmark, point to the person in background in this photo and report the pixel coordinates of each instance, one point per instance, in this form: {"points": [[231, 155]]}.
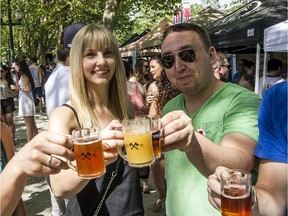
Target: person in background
{"points": [[50, 69], [141, 73], [274, 72], [7, 95], [34, 159], [207, 118], [246, 77], [271, 187], [166, 91], [97, 97], [26, 107], [235, 76], [42, 79], [156, 70], [221, 67], [136, 92], [37, 91], [56, 87], [63, 54]]}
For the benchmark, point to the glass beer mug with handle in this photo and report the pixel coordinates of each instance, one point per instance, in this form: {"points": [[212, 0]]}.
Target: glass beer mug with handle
{"points": [[88, 151], [236, 193], [138, 142]]}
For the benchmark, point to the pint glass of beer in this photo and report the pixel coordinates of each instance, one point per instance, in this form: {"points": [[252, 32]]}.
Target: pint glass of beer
{"points": [[236, 193], [88, 151], [138, 142]]}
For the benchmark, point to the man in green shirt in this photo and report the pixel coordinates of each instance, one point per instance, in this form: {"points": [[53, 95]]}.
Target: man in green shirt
{"points": [[210, 123]]}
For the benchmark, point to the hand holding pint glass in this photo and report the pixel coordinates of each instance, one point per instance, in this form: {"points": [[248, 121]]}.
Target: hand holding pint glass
{"points": [[236, 193], [88, 151], [138, 142]]}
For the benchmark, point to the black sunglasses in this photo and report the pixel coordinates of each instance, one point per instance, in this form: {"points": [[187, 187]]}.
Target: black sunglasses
{"points": [[187, 55], [2, 71]]}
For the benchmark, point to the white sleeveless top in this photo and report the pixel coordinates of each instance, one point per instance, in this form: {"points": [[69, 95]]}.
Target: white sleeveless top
{"points": [[26, 102]]}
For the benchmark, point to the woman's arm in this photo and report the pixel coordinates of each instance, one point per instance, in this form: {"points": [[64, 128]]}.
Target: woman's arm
{"points": [[27, 84], [66, 183]]}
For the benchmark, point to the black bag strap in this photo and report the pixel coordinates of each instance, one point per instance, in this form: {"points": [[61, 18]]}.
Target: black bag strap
{"points": [[74, 111]]}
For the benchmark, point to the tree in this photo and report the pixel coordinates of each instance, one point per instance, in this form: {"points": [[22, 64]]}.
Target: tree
{"points": [[45, 20]]}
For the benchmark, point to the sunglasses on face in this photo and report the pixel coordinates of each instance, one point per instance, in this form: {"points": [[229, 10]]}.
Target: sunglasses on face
{"points": [[2, 71], [186, 55]]}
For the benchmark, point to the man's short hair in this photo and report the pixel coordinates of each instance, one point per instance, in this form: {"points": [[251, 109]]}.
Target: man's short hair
{"points": [[34, 60], [274, 64], [62, 55], [180, 27], [220, 59]]}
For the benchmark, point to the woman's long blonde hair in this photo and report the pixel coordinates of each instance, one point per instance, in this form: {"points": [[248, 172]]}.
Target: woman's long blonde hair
{"points": [[97, 37]]}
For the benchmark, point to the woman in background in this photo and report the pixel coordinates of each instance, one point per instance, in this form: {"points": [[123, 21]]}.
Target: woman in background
{"points": [[246, 77], [7, 95], [26, 101]]}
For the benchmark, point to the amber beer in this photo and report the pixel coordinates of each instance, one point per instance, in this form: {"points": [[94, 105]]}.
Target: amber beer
{"points": [[236, 202], [156, 144], [89, 159], [88, 152], [236, 193]]}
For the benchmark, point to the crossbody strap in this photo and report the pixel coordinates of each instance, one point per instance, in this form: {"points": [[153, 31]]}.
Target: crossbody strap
{"points": [[113, 175], [74, 111]]}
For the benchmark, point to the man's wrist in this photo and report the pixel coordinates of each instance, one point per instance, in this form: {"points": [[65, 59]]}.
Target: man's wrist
{"points": [[189, 147]]}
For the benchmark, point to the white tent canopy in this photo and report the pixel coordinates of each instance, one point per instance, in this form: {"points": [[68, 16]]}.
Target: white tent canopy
{"points": [[275, 38]]}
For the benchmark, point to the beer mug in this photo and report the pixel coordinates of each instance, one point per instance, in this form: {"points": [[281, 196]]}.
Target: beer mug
{"points": [[155, 128], [236, 192], [88, 151], [138, 143]]}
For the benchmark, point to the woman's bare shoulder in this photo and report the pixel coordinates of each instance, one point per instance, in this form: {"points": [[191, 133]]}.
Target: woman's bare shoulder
{"points": [[62, 119]]}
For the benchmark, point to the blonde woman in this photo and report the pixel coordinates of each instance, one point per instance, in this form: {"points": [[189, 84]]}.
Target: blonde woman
{"points": [[98, 97]]}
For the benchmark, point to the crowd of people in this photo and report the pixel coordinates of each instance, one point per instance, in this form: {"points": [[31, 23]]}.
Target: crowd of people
{"points": [[210, 121]]}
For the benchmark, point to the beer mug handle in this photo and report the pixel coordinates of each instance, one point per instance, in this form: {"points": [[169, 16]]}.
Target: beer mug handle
{"points": [[122, 154], [71, 166]]}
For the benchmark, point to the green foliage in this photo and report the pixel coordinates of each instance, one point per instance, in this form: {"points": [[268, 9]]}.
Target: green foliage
{"points": [[44, 21]]}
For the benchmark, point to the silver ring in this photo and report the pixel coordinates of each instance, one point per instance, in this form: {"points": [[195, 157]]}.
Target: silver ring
{"points": [[49, 161]]}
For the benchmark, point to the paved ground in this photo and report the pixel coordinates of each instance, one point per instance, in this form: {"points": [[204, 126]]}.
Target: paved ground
{"points": [[36, 194]]}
